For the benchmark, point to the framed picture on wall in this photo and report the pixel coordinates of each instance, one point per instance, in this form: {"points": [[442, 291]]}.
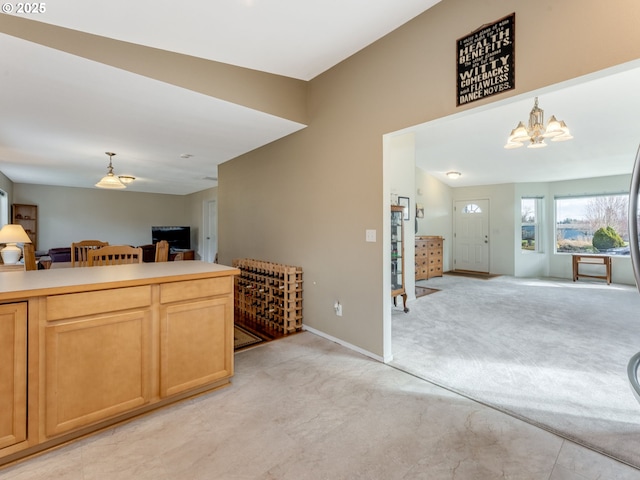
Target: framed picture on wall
{"points": [[404, 202]]}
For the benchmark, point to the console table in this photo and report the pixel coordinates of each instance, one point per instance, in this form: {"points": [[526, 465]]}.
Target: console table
{"points": [[587, 259]]}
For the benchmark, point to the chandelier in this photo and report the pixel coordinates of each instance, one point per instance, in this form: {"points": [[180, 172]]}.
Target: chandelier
{"points": [[111, 181], [536, 133]]}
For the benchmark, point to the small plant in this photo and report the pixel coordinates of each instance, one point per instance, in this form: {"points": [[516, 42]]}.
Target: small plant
{"points": [[606, 238]]}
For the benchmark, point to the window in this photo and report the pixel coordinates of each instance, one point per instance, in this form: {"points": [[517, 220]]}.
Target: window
{"points": [[471, 208], [595, 224], [530, 208]]}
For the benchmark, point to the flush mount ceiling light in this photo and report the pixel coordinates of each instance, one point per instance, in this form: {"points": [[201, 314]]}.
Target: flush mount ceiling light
{"points": [[536, 133], [110, 180], [453, 175]]}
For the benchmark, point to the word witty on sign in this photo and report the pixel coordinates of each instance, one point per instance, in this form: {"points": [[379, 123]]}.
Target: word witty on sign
{"points": [[486, 61]]}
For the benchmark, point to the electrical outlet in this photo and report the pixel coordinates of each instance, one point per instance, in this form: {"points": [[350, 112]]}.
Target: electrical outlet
{"points": [[338, 308], [370, 235]]}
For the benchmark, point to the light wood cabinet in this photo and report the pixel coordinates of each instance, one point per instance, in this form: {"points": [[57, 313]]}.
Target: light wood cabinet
{"points": [[96, 367], [13, 374], [428, 254], [194, 326], [27, 216], [106, 344]]}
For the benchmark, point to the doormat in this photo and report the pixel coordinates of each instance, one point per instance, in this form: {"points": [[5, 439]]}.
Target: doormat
{"points": [[242, 338], [423, 291], [466, 273]]}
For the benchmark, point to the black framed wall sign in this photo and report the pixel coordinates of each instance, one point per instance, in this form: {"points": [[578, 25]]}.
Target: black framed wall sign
{"points": [[486, 61]]}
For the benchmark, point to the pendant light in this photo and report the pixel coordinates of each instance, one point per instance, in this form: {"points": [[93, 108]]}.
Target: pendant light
{"points": [[110, 180]]}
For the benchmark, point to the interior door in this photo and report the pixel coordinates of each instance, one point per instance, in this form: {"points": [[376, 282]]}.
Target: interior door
{"points": [[471, 235], [211, 230]]}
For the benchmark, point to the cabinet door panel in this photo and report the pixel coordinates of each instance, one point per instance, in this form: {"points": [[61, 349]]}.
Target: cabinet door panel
{"points": [[13, 374], [96, 368], [196, 344]]}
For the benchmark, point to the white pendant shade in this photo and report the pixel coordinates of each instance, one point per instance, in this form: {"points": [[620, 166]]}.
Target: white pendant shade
{"points": [[110, 181]]}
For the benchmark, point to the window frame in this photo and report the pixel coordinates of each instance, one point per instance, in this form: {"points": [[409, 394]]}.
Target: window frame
{"points": [[589, 196], [536, 224]]}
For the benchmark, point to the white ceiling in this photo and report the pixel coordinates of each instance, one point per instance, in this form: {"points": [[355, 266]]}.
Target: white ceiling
{"points": [[60, 113], [601, 111]]}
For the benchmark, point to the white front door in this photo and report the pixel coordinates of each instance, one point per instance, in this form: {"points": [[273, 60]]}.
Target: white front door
{"points": [[471, 235]]}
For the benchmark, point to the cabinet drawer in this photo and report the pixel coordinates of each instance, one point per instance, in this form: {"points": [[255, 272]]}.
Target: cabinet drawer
{"points": [[192, 289], [89, 303]]}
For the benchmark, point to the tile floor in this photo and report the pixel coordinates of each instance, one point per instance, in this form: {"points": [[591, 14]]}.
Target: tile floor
{"points": [[306, 408]]}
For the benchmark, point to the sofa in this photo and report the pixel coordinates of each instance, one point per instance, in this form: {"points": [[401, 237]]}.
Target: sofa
{"points": [[61, 254]]}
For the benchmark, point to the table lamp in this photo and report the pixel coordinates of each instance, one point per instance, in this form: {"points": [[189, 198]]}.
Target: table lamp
{"points": [[12, 234]]}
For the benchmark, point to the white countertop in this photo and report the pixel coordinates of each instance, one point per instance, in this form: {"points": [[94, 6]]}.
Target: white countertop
{"points": [[66, 280]]}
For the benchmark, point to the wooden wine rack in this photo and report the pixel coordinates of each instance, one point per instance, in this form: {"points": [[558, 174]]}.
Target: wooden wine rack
{"points": [[269, 294]]}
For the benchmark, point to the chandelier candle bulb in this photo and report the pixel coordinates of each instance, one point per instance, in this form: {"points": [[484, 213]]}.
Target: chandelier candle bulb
{"points": [[535, 133]]}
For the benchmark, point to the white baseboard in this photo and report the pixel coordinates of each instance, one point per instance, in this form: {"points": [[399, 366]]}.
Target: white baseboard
{"points": [[344, 344]]}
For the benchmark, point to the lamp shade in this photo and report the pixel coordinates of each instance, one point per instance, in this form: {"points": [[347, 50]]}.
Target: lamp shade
{"points": [[110, 181], [13, 233], [10, 235]]}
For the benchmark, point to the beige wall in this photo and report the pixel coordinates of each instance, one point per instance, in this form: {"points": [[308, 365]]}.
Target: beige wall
{"points": [[67, 214], [308, 198]]}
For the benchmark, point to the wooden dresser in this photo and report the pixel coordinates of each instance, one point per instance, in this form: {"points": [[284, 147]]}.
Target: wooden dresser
{"points": [[428, 256]]}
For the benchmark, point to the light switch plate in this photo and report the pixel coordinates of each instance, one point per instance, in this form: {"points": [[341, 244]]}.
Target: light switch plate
{"points": [[370, 235]]}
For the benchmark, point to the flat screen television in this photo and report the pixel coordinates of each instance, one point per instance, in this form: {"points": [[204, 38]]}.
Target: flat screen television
{"points": [[179, 238]]}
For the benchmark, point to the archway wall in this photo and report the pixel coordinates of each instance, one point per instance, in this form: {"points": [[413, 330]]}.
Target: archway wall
{"points": [[309, 198]]}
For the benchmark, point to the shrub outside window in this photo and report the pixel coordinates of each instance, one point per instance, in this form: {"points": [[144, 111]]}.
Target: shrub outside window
{"points": [[594, 224]]}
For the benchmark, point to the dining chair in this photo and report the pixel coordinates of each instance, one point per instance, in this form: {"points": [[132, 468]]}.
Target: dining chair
{"points": [[162, 251], [29, 257], [80, 250], [114, 255]]}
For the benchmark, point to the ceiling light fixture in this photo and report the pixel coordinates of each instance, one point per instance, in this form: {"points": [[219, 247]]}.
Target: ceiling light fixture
{"points": [[536, 133], [453, 175], [110, 180], [126, 179]]}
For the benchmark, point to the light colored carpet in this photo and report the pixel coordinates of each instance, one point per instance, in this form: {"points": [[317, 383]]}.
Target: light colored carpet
{"points": [[552, 352]]}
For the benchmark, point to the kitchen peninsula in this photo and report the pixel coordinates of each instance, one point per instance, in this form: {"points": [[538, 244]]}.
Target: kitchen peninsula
{"points": [[85, 348]]}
